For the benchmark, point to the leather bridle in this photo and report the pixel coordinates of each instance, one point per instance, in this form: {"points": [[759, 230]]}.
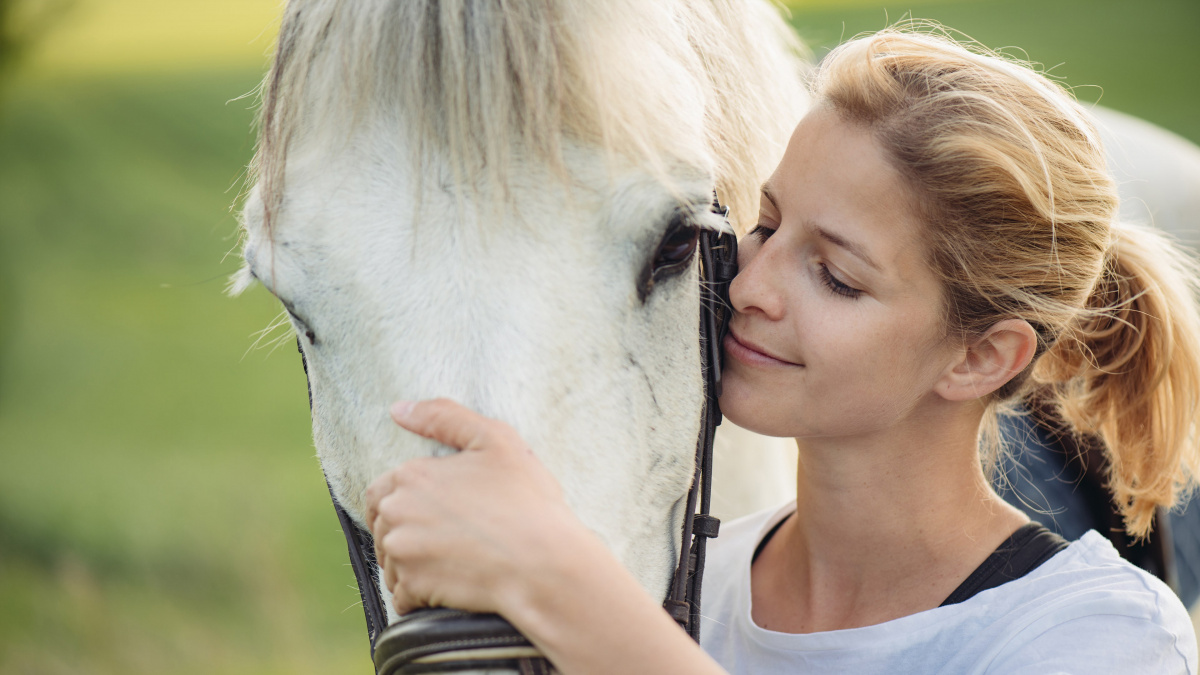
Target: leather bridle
{"points": [[441, 640]]}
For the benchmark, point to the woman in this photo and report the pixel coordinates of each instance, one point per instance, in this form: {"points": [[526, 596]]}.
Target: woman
{"points": [[936, 246]]}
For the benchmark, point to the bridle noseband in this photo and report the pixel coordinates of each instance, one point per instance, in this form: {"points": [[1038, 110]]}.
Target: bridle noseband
{"points": [[441, 640]]}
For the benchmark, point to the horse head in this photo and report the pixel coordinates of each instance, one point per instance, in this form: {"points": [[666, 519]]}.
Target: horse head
{"points": [[498, 202]]}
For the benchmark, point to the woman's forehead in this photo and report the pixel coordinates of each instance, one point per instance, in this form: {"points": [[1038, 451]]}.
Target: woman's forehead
{"points": [[837, 181]]}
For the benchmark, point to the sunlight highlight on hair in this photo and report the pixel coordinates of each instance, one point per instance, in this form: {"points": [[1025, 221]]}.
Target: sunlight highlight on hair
{"points": [[635, 80]]}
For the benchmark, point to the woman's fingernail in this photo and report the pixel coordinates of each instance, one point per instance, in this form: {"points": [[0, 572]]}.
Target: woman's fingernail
{"points": [[400, 409]]}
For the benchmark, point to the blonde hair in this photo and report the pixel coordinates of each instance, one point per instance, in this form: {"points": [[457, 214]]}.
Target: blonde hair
{"points": [[483, 83], [1011, 180]]}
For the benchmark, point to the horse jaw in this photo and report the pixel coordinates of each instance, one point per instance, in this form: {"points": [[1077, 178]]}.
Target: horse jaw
{"points": [[531, 317]]}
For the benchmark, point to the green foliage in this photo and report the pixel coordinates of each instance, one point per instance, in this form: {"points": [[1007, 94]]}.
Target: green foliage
{"points": [[21, 23], [1137, 57], [7, 41]]}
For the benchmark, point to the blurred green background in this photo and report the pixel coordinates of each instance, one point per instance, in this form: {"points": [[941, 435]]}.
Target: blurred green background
{"points": [[161, 508]]}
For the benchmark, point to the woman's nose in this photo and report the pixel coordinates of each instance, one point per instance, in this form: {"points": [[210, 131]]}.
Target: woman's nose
{"points": [[756, 288]]}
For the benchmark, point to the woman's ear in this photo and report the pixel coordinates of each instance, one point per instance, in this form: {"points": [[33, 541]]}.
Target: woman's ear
{"points": [[990, 362]]}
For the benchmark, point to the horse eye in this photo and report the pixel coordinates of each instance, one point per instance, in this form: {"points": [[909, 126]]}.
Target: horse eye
{"points": [[676, 250], [673, 255]]}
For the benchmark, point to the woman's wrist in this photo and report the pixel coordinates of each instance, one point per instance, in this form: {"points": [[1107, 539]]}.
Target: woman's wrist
{"points": [[558, 567], [558, 608], [588, 614]]}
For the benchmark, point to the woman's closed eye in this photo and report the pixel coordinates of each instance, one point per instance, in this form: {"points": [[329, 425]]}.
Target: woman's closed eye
{"points": [[834, 285], [762, 232]]}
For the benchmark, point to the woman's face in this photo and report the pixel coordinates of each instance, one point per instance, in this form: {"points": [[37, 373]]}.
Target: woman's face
{"points": [[837, 324]]}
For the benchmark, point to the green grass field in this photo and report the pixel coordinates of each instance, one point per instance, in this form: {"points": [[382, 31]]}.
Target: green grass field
{"points": [[161, 509]]}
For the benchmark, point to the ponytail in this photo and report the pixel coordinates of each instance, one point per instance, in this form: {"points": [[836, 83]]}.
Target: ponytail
{"points": [[1127, 371]]}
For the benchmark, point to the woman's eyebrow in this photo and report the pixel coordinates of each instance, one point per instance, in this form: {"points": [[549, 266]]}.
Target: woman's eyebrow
{"points": [[828, 236], [766, 192], [850, 246]]}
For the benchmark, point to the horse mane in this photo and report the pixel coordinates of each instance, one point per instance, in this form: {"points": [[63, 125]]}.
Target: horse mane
{"points": [[478, 81]]}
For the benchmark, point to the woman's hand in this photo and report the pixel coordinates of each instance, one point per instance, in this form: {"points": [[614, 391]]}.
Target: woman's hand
{"points": [[471, 530], [488, 530]]}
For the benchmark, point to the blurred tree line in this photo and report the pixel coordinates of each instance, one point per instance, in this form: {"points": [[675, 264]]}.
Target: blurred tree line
{"points": [[21, 23], [6, 38]]}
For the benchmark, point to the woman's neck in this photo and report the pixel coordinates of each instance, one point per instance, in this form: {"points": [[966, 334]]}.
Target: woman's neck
{"points": [[885, 526]]}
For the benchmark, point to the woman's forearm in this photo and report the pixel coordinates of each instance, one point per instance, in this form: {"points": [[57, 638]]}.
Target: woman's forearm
{"points": [[589, 615]]}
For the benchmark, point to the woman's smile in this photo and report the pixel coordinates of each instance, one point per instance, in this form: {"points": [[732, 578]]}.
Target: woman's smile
{"points": [[751, 354]]}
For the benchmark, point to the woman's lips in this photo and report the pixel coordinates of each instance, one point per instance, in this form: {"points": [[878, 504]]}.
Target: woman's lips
{"points": [[750, 353]]}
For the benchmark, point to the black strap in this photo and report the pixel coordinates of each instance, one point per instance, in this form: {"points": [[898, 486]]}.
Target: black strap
{"points": [[440, 631], [718, 265], [1027, 548], [361, 548], [359, 545], [770, 533], [1024, 551]]}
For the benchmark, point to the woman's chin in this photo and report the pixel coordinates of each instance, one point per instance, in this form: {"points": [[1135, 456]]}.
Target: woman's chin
{"points": [[751, 410]]}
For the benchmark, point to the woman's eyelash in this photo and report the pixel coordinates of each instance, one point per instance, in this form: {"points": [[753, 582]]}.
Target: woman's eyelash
{"points": [[762, 232], [831, 282]]}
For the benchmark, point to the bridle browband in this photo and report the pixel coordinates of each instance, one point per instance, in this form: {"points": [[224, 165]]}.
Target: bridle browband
{"points": [[442, 640]]}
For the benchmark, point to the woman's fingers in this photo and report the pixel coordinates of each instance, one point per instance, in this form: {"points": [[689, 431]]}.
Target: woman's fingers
{"points": [[451, 424], [382, 486], [435, 520]]}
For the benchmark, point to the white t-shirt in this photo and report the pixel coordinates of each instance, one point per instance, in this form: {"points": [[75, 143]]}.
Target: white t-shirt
{"points": [[1085, 611]]}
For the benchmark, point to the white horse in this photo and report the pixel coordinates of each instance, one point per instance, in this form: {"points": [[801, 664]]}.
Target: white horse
{"points": [[469, 198]]}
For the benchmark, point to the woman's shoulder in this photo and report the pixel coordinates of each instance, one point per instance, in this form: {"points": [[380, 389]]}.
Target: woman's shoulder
{"points": [[1087, 606], [1090, 569]]}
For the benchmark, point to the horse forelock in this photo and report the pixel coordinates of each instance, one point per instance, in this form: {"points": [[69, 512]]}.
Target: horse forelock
{"points": [[481, 83]]}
